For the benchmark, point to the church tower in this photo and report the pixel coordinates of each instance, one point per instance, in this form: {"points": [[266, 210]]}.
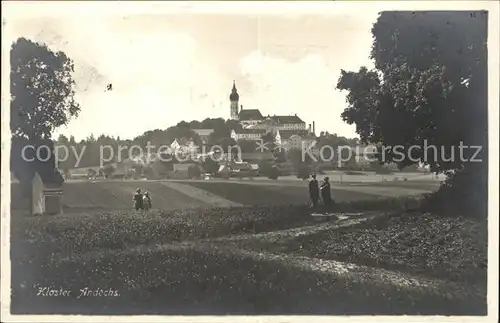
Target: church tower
{"points": [[234, 98]]}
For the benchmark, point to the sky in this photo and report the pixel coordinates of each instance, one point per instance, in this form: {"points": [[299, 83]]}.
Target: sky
{"points": [[165, 68]]}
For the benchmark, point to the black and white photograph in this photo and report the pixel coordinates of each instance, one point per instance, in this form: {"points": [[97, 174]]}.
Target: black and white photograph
{"points": [[250, 160]]}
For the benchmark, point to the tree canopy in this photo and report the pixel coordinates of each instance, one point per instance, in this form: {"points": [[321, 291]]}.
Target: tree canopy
{"points": [[42, 99], [428, 88], [42, 90], [429, 84]]}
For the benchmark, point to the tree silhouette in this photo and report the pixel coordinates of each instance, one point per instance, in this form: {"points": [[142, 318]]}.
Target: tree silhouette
{"points": [[42, 90], [42, 99], [429, 87], [108, 170], [210, 166]]}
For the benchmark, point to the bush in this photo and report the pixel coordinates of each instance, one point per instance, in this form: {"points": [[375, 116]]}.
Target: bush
{"points": [[303, 171], [194, 172], [274, 173], [108, 170], [268, 169], [91, 173], [117, 176], [464, 192], [138, 169], [210, 166], [148, 172]]}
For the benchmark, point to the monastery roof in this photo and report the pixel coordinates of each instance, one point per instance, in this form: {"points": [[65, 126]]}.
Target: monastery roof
{"points": [[250, 114], [286, 119]]}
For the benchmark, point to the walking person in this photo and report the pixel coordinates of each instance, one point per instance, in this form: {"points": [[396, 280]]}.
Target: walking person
{"points": [[146, 201], [313, 191], [326, 194], [138, 202]]}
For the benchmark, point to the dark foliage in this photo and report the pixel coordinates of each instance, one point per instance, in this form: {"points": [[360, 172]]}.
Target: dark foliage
{"points": [[42, 90], [194, 172], [428, 88]]}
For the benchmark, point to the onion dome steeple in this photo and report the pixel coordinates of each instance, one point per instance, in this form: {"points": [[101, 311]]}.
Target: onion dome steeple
{"points": [[234, 94]]}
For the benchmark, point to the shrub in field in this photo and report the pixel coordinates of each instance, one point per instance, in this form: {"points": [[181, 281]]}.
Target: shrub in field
{"points": [[303, 171], [266, 168], [194, 172], [466, 188], [91, 173], [210, 166], [148, 172], [108, 170], [274, 173], [138, 168]]}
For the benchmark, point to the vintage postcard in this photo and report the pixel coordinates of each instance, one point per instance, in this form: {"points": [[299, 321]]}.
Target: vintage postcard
{"points": [[249, 161]]}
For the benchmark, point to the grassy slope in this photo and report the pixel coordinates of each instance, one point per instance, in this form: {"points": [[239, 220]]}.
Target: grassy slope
{"points": [[117, 195], [426, 244], [424, 185], [93, 250], [90, 231], [272, 194], [180, 280]]}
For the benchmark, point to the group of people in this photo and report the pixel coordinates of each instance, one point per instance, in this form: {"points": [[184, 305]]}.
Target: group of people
{"points": [[142, 201], [324, 191], [316, 193]]}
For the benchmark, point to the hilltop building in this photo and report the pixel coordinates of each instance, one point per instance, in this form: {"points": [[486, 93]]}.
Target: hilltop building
{"points": [[289, 131], [250, 117], [234, 97], [287, 122], [248, 134]]}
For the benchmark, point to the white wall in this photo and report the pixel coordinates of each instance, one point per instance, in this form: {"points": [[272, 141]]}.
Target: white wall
{"points": [[38, 200], [182, 167], [247, 136], [291, 126]]}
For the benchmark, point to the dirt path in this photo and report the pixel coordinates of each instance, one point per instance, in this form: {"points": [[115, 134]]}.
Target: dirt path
{"points": [[382, 279], [345, 220]]}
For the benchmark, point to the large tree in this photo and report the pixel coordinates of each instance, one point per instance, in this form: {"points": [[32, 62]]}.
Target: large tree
{"points": [[42, 99], [42, 90], [428, 88]]}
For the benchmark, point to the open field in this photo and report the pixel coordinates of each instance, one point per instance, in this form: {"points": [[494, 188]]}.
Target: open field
{"points": [[240, 247], [196, 262], [367, 177], [188, 194]]}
